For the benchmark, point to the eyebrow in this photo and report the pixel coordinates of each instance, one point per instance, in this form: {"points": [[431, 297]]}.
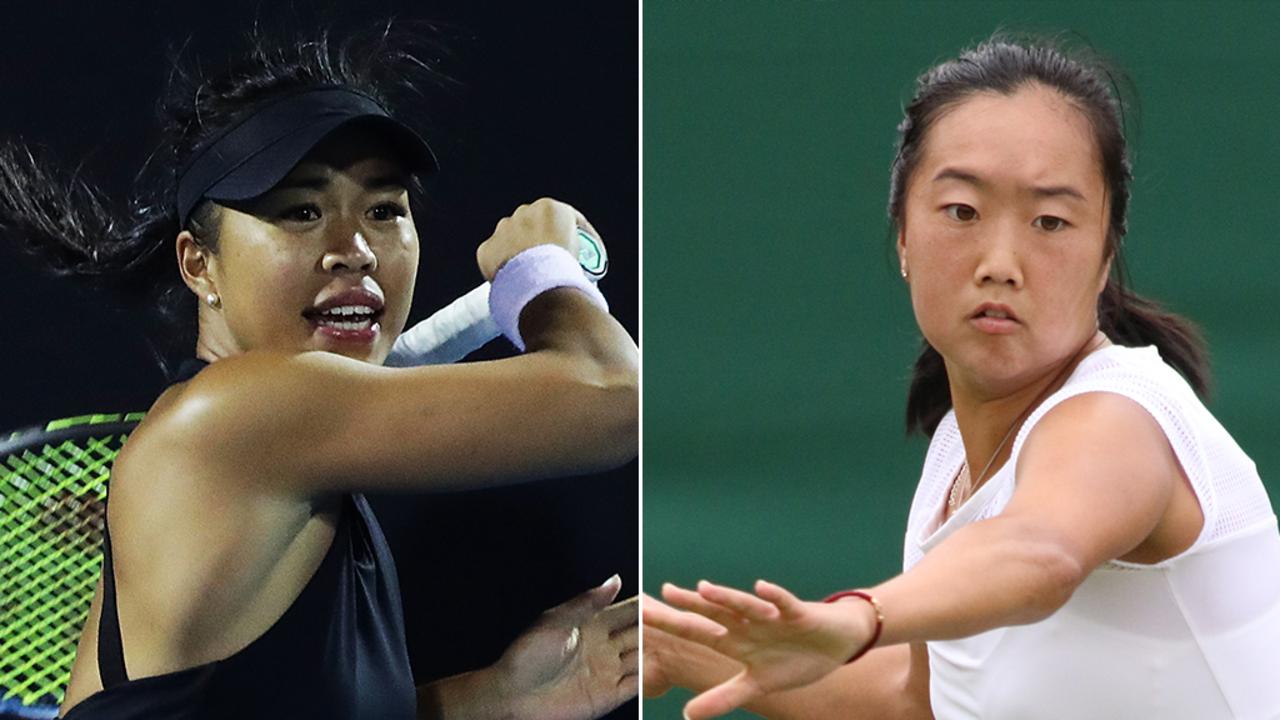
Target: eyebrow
{"points": [[320, 182], [949, 173]]}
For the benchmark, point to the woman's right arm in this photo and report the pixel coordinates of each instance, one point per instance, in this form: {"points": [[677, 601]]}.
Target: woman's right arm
{"points": [[317, 422], [887, 682]]}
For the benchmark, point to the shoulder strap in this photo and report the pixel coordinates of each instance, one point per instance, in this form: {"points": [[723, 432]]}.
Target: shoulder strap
{"points": [[110, 647]]}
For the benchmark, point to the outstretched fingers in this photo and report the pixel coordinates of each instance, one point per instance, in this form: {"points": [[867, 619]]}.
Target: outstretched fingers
{"points": [[788, 604], [687, 625], [742, 603], [694, 602]]}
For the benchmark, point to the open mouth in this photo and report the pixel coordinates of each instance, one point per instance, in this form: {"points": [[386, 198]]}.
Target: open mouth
{"points": [[994, 311], [346, 318], [347, 324], [995, 319], [349, 316]]}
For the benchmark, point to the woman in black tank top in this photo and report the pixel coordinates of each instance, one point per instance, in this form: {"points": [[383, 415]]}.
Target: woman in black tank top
{"points": [[285, 187]]}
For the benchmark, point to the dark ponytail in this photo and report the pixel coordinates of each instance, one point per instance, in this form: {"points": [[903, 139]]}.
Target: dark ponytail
{"points": [[126, 250], [1005, 65], [74, 230]]}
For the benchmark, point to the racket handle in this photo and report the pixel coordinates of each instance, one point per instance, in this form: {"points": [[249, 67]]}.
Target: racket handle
{"points": [[453, 332], [464, 326]]}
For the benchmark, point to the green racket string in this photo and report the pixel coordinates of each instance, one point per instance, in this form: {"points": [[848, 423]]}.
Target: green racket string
{"points": [[53, 484]]}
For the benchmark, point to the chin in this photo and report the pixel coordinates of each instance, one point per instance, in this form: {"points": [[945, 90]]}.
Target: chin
{"points": [[992, 367], [1002, 375]]}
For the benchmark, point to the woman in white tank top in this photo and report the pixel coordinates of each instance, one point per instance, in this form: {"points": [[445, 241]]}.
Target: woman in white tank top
{"points": [[1086, 540]]}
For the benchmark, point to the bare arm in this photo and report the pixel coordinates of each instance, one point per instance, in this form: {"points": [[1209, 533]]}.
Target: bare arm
{"points": [[1096, 478], [316, 422]]}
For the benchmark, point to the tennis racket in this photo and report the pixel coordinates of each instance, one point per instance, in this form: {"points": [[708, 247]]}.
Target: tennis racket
{"points": [[53, 484], [53, 488], [464, 326]]}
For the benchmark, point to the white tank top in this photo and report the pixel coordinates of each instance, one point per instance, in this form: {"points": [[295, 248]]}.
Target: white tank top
{"points": [[1196, 636]]}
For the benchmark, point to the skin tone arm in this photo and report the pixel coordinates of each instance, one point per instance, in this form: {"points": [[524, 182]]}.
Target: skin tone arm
{"points": [[1071, 512], [323, 422], [260, 442], [578, 661]]}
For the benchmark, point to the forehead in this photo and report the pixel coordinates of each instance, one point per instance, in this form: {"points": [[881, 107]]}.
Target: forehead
{"points": [[1032, 136]]}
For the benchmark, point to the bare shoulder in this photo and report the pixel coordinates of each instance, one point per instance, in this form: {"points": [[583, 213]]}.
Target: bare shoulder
{"points": [[233, 556], [1098, 430], [225, 419], [191, 459], [237, 395], [1098, 473], [187, 469], [309, 424]]}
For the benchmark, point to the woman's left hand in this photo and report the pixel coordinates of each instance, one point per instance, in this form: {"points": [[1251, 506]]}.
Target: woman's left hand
{"points": [[783, 641], [578, 661]]}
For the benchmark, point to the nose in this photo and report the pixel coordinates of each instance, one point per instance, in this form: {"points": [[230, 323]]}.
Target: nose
{"points": [[352, 254], [998, 262]]}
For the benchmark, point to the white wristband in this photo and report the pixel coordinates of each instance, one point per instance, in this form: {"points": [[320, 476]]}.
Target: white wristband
{"points": [[529, 274]]}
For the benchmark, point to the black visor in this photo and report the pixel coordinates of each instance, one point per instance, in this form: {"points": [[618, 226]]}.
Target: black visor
{"points": [[251, 157]]}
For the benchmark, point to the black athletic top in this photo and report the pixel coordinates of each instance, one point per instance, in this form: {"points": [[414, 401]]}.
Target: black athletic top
{"points": [[337, 652]]}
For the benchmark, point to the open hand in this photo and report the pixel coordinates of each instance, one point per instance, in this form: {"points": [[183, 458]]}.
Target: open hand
{"points": [[671, 661], [578, 661], [782, 641]]}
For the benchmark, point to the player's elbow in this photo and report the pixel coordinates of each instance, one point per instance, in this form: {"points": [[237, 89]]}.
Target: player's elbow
{"points": [[617, 397], [587, 413], [1058, 572], [1044, 569]]}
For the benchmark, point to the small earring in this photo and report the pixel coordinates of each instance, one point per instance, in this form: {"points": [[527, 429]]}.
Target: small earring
{"points": [[904, 272], [214, 301]]}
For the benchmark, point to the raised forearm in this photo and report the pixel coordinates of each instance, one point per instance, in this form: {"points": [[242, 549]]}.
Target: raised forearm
{"points": [[595, 351], [990, 574], [565, 320]]}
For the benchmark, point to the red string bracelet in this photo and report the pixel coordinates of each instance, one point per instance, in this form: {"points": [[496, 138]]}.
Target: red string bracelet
{"points": [[879, 617]]}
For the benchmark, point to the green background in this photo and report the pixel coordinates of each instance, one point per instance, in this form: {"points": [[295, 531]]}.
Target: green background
{"points": [[778, 335]]}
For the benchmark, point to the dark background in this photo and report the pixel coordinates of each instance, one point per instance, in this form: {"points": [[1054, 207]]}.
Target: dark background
{"points": [[778, 333], [546, 105]]}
